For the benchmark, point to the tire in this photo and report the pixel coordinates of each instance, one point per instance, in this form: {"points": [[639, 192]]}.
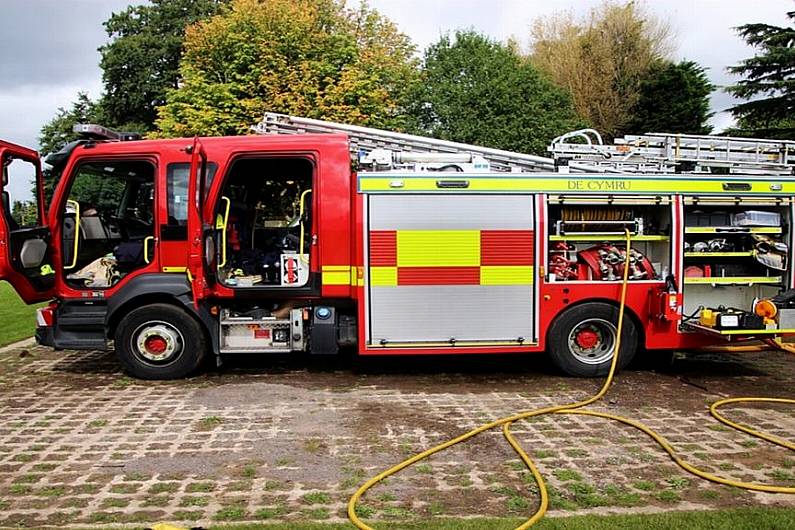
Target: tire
{"points": [[160, 341], [581, 340]]}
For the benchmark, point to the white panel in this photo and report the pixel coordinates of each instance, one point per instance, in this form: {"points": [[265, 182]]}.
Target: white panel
{"points": [[451, 212], [439, 313]]}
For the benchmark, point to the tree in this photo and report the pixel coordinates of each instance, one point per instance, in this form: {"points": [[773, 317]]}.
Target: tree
{"points": [[58, 132], [687, 112], [476, 90], [602, 60], [315, 58], [25, 213], [142, 60], [769, 84]]}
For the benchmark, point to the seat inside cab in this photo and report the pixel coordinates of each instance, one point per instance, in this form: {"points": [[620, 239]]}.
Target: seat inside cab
{"points": [[263, 221]]}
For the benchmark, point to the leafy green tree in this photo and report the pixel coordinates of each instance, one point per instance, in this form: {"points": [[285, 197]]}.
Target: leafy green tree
{"points": [[673, 98], [58, 132], [476, 90], [314, 58], [141, 61], [769, 82], [25, 213]]}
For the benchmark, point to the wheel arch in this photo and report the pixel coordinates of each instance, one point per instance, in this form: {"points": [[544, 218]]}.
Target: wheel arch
{"points": [[151, 289], [629, 311]]}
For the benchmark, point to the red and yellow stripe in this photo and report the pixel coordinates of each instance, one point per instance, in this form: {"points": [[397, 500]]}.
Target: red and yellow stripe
{"points": [[451, 257]]}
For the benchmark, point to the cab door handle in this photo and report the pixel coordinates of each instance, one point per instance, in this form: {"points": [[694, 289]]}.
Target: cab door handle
{"points": [[146, 247]]}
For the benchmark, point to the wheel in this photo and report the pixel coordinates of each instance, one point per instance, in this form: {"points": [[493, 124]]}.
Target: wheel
{"points": [[160, 341], [582, 340]]}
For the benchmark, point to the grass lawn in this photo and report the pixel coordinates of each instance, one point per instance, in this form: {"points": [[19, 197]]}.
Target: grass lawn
{"points": [[741, 519], [17, 320]]}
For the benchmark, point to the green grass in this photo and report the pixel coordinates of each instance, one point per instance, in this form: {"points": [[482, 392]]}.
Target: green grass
{"points": [[742, 519], [19, 320]]}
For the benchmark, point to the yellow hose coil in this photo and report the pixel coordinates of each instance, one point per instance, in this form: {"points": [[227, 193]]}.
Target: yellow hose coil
{"points": [[575, 408]]}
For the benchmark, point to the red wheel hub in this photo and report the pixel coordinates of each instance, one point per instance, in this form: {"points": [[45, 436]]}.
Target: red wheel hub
{"points": [[587, 338], [156, 344]]}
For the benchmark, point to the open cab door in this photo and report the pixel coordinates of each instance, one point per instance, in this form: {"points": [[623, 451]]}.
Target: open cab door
{"points": [[25, 239], [202, 253]]}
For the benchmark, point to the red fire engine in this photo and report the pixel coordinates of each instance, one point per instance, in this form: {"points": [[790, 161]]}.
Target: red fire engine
{"points": [[178, 251]]}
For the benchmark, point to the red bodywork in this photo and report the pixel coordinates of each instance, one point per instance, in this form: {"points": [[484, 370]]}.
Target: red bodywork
{"points": [[337, 229]]}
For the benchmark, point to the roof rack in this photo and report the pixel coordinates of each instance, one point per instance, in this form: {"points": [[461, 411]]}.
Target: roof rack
{"points": [[380, 149], [580, 151], [676, 153]]}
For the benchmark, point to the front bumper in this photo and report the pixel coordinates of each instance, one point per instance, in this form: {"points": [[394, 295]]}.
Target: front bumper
{"points": [[45, 336]]}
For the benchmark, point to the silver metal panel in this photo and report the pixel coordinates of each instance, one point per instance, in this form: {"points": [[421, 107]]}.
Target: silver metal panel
{"points": [[441, 312], [451, 212], [437, 313]]}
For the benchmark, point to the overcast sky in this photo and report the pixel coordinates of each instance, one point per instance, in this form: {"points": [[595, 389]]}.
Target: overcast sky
{"points": [[48, 48]]}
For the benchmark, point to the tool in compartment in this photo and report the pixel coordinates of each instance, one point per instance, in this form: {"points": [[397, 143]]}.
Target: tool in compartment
{"points": [[606, 262], [723, 318]]}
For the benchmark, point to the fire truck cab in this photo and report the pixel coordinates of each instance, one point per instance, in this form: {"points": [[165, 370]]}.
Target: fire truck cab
{"points": [[175, 252]]}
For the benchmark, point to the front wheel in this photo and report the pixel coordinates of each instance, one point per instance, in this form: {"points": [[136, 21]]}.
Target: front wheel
{"points": [[160, 341], [582, 340]]}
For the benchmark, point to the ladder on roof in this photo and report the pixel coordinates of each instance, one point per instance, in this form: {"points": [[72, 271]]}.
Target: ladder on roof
{"points": [[676, 153], [380, 149], [581, 151]]}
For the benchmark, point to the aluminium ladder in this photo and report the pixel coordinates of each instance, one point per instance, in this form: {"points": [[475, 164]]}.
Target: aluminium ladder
{"points": [[677, 153], [581, 151], [380, 149]]}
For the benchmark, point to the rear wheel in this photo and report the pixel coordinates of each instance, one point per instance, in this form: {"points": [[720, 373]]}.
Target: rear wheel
{"points": [[582, 340], [160, 341]]}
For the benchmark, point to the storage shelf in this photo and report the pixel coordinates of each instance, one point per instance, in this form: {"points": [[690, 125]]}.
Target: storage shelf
{"points": [[733, 280], [606, 237], [745, 253], [731, 230]]}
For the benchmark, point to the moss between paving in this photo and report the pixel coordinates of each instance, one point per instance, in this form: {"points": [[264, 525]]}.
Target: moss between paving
{"points": [[741, 519]]}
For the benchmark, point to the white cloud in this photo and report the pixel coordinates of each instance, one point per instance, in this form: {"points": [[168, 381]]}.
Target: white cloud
{"points": [[26, 108]]}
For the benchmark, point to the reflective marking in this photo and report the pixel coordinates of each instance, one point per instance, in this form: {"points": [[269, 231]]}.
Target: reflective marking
{"points": [[438, 248], [506, 275]]}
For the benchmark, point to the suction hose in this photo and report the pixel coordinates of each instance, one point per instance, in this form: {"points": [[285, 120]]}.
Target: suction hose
{"points": [[576, 408]]}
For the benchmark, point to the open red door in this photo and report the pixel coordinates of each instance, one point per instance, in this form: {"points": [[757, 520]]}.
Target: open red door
{"points": [[25, 242], [202, 254]]}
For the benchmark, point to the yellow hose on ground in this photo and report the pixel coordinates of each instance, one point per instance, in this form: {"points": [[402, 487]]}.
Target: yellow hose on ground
{"points": [[575, 408]]}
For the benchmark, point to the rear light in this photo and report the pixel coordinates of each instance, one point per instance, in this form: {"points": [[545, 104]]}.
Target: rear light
{"points": [[45, 316]]}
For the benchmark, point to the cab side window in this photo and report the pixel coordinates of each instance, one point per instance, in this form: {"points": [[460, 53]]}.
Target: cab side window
{"points": [[20, 198], [177, 175]]}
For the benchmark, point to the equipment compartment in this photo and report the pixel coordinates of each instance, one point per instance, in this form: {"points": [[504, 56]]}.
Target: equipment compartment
{"points": [[734, 254], [586, 240]]}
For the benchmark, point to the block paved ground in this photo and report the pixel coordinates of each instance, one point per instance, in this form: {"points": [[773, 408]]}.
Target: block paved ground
{"points": [[287, 438]]}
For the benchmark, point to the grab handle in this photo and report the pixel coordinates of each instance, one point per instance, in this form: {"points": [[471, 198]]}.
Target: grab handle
{"points": [[76, 205], [301, 216]]}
